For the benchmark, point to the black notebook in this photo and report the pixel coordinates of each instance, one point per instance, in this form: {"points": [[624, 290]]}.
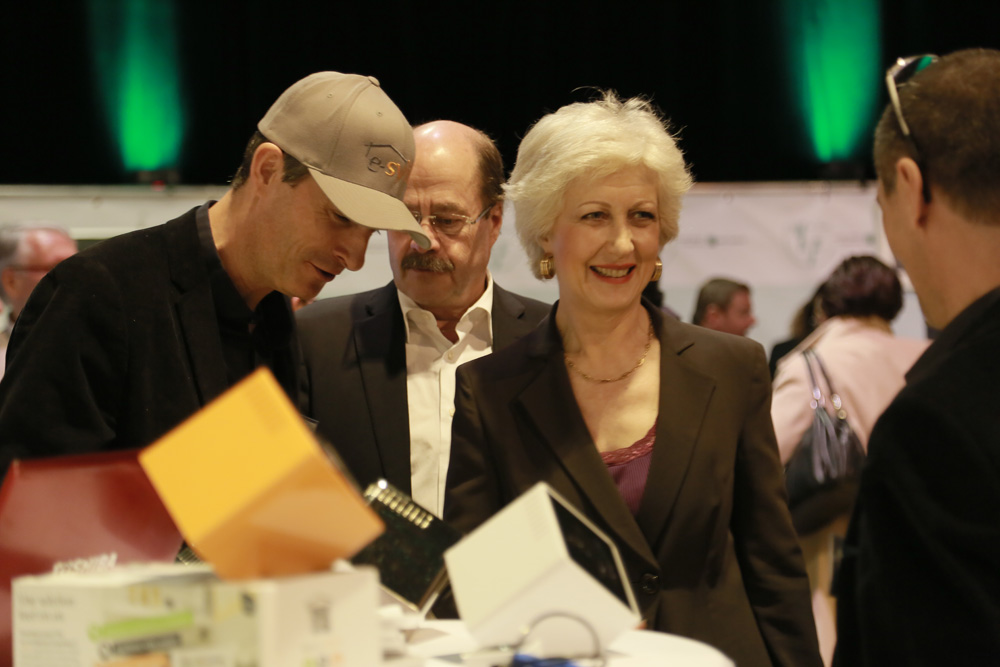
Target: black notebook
{"points": [[409, 555]]}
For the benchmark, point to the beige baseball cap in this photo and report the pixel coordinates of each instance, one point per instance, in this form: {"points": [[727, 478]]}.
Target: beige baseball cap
{"points": [[355, 141]]}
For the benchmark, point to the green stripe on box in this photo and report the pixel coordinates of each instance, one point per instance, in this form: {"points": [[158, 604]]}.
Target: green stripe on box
{"points": [[136, 627]]}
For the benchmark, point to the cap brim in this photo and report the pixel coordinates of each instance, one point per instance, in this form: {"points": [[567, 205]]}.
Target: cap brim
{"points": [[370, 207]]}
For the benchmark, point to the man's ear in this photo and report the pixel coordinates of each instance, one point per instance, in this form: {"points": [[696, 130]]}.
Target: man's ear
{"points": [[910, 190], [495, 220], [268, 165]]}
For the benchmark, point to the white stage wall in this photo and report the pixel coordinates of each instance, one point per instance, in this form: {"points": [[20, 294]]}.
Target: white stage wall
{"points": [[780, 238]]}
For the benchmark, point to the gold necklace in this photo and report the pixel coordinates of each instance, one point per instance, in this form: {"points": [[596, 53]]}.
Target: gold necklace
{"points": [[642, 360]]}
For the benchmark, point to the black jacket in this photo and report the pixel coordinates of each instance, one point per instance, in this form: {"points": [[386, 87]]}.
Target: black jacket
{"points": [[920, 580], [116, 346]]}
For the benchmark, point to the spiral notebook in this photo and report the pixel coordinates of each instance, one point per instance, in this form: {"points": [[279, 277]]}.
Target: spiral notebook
{"points": [[410, 553]]}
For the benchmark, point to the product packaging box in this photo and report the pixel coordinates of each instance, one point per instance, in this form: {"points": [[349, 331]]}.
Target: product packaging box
{"points": [[95, 506], [539, 569], [252, 490], [184, 616]]}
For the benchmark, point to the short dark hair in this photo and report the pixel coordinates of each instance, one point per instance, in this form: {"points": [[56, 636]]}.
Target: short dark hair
{"points": [[295, 171], [716, 292], [953, 110], [862, 286]]}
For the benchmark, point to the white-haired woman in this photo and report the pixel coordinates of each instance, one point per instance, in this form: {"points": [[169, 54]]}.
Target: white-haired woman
{"points": [[659, 431]]}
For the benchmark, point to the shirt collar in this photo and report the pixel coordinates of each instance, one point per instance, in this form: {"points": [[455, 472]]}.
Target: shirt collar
{"points": [[229, 305], [483, 304], [205, 240], [273, 316]]}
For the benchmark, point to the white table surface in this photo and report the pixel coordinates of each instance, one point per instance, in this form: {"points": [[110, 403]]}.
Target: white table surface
{"points": [[446, 643]]}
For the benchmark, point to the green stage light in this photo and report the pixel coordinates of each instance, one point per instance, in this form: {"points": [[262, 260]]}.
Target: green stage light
{"points": [[834, 51], [135, 57]]}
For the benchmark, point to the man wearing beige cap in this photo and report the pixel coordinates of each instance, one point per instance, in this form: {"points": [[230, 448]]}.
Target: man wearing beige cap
{"points": [[130, 337]]}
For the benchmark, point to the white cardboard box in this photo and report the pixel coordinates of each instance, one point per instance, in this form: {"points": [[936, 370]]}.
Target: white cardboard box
{"points": [[183, 616], [537, 557]]}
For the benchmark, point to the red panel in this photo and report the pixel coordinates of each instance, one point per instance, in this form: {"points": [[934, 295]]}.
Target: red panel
{"points": [[64, 508]]}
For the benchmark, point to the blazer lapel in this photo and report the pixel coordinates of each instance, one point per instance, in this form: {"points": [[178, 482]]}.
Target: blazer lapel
{"points": [[380, 344], [195, 307], [684, 398], [550, 395]]}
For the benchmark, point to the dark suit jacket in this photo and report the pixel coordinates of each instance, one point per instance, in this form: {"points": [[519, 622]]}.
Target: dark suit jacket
{"points": [[116, 346], [920, 580], [712, 554], [354, 384]]}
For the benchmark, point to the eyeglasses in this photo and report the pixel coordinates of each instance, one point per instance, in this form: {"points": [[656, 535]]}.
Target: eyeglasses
{"points": [[897, 75], [450, 224]]}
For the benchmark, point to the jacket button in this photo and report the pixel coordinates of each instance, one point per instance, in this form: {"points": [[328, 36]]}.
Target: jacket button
{"points": [[649, 583]]}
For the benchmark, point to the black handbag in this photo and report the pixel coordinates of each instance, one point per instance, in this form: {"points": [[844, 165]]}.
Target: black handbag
{"points": [[823, 473]]}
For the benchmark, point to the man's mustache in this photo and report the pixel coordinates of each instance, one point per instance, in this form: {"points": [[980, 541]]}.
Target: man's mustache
{"points": [[427, 262]]}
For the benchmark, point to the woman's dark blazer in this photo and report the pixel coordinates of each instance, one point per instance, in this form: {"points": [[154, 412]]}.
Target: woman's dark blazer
{"points": [[712, 554]]}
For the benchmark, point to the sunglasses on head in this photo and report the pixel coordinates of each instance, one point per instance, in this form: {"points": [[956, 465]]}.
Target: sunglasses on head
{"points": [[899, 74]]}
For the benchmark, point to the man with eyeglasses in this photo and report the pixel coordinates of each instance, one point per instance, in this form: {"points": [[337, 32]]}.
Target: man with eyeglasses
{"points": [[381, 364], [920, 578], [28, 251], [126, 339]]}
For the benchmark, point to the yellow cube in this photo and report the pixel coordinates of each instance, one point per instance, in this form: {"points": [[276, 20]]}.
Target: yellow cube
{"points": [[252, 490]]}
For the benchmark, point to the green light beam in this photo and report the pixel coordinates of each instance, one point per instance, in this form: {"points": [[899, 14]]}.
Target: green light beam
{"points": [[834, 51], [134, 52]]}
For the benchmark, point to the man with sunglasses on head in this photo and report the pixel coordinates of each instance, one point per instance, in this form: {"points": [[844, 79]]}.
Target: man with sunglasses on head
{"points": [[920, 579], [381, 364], [123, 341]]}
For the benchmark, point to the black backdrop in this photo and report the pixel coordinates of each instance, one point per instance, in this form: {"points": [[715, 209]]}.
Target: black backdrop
{"points": [[715, 67]]}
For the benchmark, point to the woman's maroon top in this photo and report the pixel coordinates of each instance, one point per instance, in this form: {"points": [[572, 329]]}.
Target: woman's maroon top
{"points": [[629, 467]]}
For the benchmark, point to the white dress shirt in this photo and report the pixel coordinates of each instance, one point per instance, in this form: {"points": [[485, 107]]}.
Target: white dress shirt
{"points": [[431, 362]]}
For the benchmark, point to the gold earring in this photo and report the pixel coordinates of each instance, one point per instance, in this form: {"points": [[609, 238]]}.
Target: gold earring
{"points": [[657, 271], [545, 268]]}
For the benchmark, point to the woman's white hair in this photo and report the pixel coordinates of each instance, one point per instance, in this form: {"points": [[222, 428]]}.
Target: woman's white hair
{"points": [[592, 140]]}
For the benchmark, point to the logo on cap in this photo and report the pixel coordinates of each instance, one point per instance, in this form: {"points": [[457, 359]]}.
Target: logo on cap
{"points": [[388, 160]]}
